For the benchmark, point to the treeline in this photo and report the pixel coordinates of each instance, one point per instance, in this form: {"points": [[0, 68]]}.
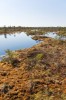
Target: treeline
{"points": [[11, 29]]}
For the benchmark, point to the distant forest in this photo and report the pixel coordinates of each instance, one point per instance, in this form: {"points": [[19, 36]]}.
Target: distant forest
{"points": [[43, 29]]}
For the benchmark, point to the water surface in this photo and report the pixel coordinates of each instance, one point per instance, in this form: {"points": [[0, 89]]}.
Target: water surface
{"points": [[15, 41], [55, 36]]}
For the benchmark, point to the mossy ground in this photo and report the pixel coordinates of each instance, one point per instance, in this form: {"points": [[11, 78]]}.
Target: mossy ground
{"points": [[40, 75]]}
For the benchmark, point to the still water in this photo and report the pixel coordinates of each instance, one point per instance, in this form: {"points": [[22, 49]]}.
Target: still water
{"points": [[55, 36], [15, 41]]}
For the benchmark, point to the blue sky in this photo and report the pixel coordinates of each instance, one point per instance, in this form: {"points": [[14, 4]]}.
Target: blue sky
{"points": [[33, 12]]}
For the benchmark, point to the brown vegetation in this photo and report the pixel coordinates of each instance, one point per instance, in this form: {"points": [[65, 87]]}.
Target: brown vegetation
{"points": [[32, 30], [39, 73]]}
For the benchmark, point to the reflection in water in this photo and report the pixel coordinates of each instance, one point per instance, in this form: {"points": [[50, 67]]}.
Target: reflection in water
{"points": [[37, 41], [15, 41], [5, 35], [55, 36], [14, 35]]}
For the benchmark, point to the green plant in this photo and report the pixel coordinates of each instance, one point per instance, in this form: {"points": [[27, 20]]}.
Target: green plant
{"points": [[11, 58], [39, 56]]}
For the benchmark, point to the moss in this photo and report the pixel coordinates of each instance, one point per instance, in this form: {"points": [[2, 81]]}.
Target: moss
{"points": [[41, 96], [43, 79], [39, 56], [63, 96]]}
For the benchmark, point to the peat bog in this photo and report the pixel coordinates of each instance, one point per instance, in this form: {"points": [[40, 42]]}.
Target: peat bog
{"points": [[38, 72]]}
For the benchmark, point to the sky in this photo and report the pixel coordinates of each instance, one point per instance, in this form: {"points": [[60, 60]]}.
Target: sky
{"points": [[33, 13]]}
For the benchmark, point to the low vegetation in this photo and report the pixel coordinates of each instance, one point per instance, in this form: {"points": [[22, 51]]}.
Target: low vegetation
{"points": [[37, 73], [11, 58], [33, 30]]}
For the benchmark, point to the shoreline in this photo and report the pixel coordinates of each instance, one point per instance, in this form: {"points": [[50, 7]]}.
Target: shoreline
{"points": [[33, 30], [38, 71]]}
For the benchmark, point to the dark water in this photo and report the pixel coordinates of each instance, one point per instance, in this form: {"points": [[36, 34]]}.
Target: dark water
{"points": [[15, 41]]}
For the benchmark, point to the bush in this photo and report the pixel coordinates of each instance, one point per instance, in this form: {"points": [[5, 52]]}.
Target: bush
{"points": [[11, 58]]}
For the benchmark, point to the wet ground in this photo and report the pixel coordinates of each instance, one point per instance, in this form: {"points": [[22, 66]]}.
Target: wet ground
{"points": [[35, 73]]}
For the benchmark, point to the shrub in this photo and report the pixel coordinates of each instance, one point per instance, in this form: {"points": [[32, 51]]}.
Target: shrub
{"points": [[11, 58]]}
